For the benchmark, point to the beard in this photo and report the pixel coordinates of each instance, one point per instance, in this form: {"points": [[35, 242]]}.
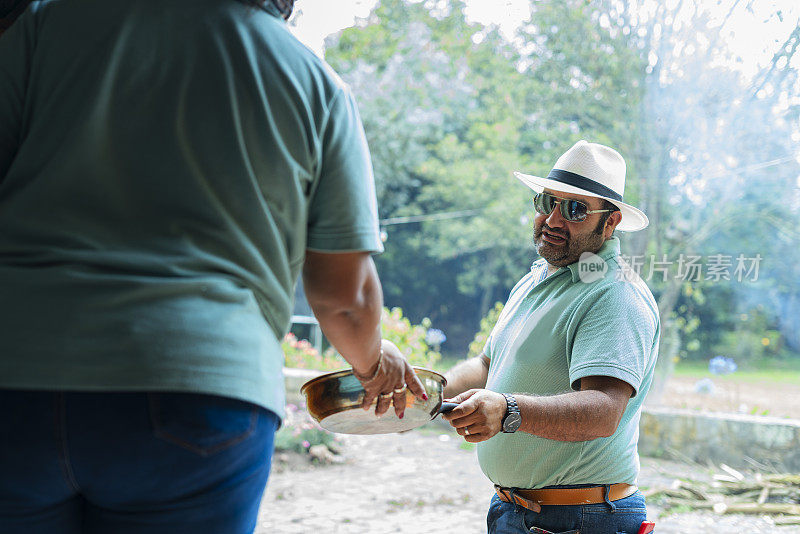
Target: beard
{"points": [[570, 249]]}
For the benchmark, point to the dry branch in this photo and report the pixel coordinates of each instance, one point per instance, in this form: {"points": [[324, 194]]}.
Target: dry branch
{"points": [[735, 492]]}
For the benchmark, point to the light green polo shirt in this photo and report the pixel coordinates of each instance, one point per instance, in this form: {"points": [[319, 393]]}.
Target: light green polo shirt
{"points": [[164, 165], [552, 332]]}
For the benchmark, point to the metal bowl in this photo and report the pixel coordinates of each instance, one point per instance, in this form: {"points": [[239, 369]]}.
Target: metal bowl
{"points": [[334, 401]]}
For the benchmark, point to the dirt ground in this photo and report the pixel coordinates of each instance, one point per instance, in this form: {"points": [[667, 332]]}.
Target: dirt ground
{"points": [[425, 481], [429, 480]]}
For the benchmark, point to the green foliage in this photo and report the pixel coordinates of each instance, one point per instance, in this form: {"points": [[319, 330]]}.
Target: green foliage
{"points": [[710, 324], [751, 340], [487, 324], [301, 354], [409, 338], [451, 108], [299, 432]]}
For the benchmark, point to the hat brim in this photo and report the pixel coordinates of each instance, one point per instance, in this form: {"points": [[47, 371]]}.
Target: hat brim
{"points": [[633, 219]]}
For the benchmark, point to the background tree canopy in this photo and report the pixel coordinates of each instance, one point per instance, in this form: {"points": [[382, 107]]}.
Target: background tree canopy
{"points": [[451, 108]]}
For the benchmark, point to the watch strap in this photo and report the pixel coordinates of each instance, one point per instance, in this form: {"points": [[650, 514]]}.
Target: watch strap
{"points": [[512, 410]]}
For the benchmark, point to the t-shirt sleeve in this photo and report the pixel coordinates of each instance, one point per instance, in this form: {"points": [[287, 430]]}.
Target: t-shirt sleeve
{"points": [[343, 214], [487, 347], [614, 336], [16, 49]]}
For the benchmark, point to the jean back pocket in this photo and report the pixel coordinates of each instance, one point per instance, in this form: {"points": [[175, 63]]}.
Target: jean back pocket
{"points": [[203, 424]]}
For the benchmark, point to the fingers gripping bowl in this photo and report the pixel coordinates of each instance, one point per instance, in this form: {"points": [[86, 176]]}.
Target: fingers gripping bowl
{"points": [[334, 401]]}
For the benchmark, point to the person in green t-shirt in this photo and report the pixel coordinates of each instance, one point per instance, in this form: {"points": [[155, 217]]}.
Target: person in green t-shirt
{"points": [[168, 168], [555, 398]]}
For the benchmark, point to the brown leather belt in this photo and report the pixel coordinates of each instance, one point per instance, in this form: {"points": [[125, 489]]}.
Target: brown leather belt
{"points": [[533, 499]]}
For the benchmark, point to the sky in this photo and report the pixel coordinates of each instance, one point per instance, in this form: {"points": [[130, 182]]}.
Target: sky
{"points": [[756, 29], [320, 18]]}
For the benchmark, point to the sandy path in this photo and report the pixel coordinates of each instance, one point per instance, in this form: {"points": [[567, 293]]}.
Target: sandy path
{"points": [[424, 482]]}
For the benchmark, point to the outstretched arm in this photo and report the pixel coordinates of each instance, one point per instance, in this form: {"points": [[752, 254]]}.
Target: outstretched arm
{"points": [[469, 374], [344, 292], [593, 412]]}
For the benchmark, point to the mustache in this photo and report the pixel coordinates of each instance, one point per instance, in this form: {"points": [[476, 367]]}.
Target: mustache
{"points": [[538, 231]]}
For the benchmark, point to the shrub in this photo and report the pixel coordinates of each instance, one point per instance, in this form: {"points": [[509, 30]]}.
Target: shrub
{"points": [[410, 339], [300, 353], [487, 325], [299, 432]]}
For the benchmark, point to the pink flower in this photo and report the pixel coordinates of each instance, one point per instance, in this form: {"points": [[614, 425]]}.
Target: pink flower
{"points": [[306, 444]]}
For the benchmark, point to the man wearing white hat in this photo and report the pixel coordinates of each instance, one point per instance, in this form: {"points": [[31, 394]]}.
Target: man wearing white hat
{"points": [[554, 401]]}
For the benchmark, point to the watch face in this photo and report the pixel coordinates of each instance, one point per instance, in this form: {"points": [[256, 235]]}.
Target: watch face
{"points": [[512, 422]]}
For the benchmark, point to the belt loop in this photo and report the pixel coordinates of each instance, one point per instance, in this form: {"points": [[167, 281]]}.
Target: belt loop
{"points": [[606, 494], [509, 494], [514, 499]]}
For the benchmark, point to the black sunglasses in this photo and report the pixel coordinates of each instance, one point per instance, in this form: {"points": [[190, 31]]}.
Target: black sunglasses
{"points": [[571, 210]]}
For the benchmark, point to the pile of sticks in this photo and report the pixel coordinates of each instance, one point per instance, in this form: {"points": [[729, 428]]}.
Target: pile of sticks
{"points": [[732, 492]]}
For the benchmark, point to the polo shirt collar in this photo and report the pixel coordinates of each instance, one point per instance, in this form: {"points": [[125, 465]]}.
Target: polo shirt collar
{"points": [[610, 249]]}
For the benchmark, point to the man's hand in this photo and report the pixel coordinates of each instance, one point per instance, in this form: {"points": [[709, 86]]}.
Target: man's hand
{"points": [[479, 414]]}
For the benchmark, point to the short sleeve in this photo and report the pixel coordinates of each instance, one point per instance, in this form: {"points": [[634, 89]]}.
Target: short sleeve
{"points": [[343, 213], [487, 347], [16, 51], [614, 336]]}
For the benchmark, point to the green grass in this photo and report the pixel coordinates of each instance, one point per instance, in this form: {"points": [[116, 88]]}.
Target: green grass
{"points": [[784, 371]]}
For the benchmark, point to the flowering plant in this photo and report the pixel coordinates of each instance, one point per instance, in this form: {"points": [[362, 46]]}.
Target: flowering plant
{"points": [[721, 365], [299, 432], [435, 337], [300, 353], [410, 339]]}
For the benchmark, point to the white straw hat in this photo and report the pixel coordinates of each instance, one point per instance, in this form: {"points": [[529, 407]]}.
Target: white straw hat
{"points": [[593, 170]]}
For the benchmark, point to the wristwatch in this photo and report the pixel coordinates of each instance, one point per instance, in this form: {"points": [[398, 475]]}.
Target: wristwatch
{"points": [[512, 419]]}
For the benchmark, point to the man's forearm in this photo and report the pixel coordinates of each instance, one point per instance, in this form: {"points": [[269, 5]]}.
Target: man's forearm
{"points": [[574, 416], [469, 374], [593, 412]]}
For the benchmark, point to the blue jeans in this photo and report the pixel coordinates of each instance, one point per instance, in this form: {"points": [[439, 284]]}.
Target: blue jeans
{"points": [[125, 463], [623, 516]]}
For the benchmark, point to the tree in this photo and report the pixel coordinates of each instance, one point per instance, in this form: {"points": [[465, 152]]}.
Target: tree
{"points": [[451, 109]]}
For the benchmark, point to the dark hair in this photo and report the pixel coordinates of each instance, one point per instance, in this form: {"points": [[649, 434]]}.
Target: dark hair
{"points": [[285, 7], [605, 215]]}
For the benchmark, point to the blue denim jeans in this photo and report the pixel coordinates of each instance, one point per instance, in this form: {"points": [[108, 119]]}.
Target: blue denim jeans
{"points": [[125, 463], [623, 516]]}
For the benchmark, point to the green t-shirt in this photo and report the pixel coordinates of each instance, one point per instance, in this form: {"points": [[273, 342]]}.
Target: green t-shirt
{"points": [[554, 331], [164, 165]]}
